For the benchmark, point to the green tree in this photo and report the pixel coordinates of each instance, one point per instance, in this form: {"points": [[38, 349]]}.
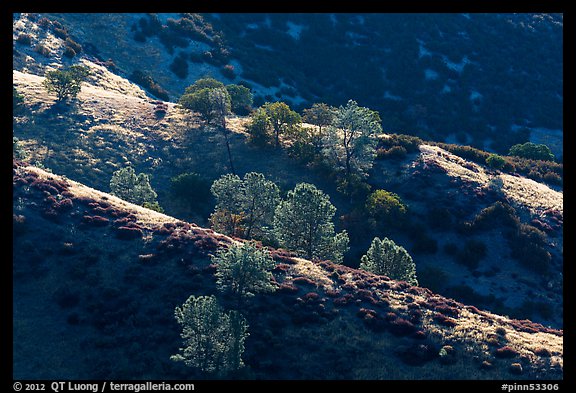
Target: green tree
{"points": [[203, 83], [532, 151], [495, 161], [385, 207], [213, 339], [320, 115], [133, 188], [242, 270], [259, 127], [303, 223], [241, 99], [282, 118], [212, 101], [351, 141], [386, 258], [244, 207], [66, 83]]}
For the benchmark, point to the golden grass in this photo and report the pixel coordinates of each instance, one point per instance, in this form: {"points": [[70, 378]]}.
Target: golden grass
{"points": [[534, 196], [143, 215], [314, 272]]}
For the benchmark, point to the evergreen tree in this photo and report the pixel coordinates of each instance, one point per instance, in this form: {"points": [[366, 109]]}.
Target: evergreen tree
{"points": [[213, 339], [133, 188], [243, 270], [303, 223], [386, 258], [244, 207]]}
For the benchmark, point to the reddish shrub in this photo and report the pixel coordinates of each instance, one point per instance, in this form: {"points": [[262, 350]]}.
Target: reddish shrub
{"points": [[332, 292], [127, 233], [303, 281], [97, 221], [390, 316], [163, 231], [343, 300], [505, 352], [415, 316], [64, 204], [402, 327], [419, 335], [543, 352], [447, 310], [311, 297], [281, 267], [287, 287], [364, 312], [83, 200], [44, 186], [444, 320]]}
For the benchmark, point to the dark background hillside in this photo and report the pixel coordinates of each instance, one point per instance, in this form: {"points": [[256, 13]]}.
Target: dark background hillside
{"points": [[487, 76], [488, 80]]}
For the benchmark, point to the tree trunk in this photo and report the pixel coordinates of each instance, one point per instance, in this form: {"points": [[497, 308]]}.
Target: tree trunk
{"points": [[225, 133]]}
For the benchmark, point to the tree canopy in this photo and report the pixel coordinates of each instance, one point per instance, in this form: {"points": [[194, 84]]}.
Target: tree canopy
{"points": [[66, 83], [213, 339], [303, 223], [350, 144], [386, 258]]}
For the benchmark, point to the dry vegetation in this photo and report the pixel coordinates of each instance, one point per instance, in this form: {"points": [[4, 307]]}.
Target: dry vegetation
{"points": [[536, 197], [392, 315]]}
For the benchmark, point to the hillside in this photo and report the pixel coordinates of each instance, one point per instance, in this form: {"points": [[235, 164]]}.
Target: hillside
{"points": [[105, 309], [429, 74], [101, 276]]}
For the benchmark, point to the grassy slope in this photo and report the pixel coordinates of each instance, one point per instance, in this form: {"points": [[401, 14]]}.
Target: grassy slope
{"points": [[105, 307], [113, 123]]}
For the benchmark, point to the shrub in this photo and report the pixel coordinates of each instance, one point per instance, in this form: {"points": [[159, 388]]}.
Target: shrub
{"points": [[192, 188], [495, 215], [532, 151], [213, 339], [145, 80], [179, 66], [240, 99], [69, 52], [408, 142], [505, 352], [495, 161], [43, 50], [24, 39], [70, 43], [60, 32], [44, 23], [385, 207], [528, 245], [472, 253], [228, 71], [395, 153]]}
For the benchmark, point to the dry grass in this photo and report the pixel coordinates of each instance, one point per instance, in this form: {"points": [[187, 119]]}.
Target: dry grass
{"points": [[143, 215], [308, 269], [534, 196]]}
